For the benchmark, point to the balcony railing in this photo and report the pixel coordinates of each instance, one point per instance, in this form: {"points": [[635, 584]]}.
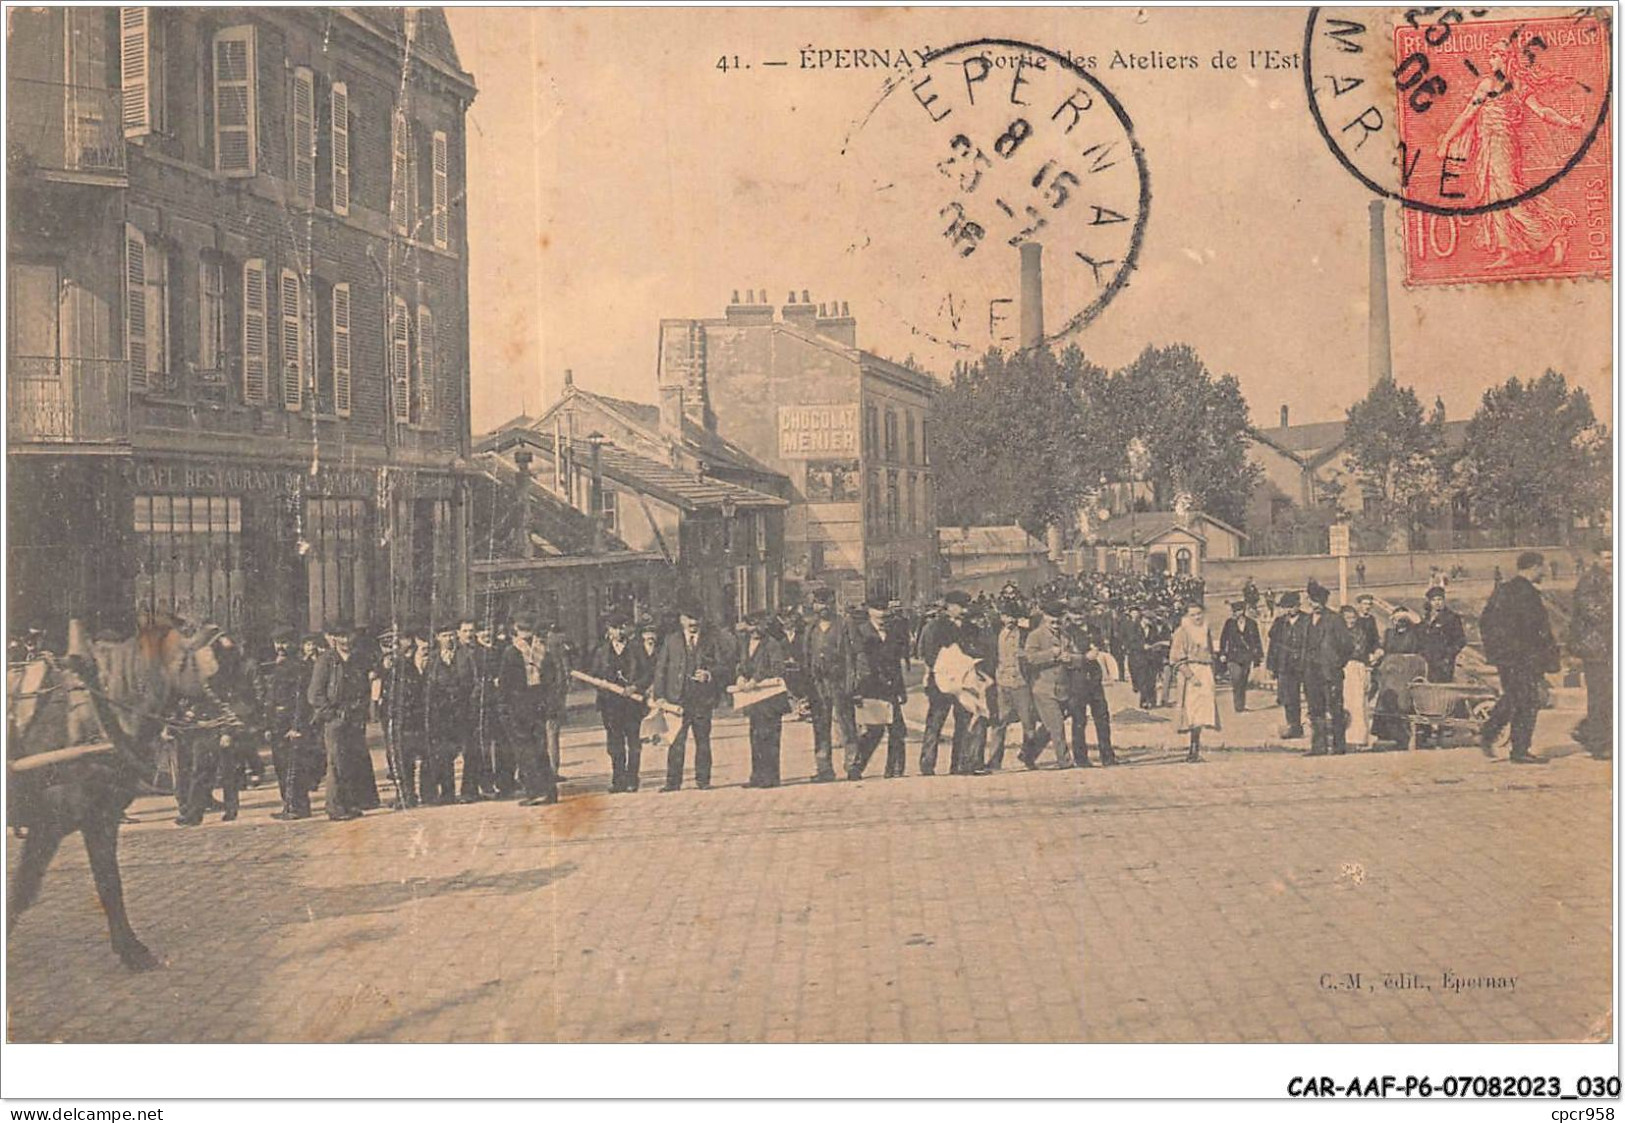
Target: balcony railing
{"points": [[53, 127], [66, 400]]}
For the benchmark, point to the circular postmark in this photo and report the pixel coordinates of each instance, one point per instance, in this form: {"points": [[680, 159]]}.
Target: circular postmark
{"points": [[1002, 197], [1458, 112]]}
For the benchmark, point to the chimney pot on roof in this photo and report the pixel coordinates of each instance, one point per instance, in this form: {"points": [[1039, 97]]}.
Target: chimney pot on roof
{"points": [[1283, 417], [845, 311], [569, 377], [820, 311], [750, 296], [735, 300], [805, 299], [791, 299]]}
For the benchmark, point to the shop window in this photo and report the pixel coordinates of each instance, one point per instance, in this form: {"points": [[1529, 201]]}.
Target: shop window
{"points": [[189, 557], [337, 535]]}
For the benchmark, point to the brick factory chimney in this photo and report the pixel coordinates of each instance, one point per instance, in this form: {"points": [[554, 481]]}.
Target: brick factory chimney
{"points": [[1379, 347], [1032, 295], [802, 315]]}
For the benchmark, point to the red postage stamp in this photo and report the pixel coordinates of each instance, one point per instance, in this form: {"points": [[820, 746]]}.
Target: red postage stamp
{"points": [[1508, 173]]}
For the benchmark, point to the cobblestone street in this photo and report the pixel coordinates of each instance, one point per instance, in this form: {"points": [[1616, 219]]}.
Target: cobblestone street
{"points": [[1231, 901]]}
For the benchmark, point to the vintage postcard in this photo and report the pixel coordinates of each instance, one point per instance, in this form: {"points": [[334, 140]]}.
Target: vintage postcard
{"points": [[803, 525]]}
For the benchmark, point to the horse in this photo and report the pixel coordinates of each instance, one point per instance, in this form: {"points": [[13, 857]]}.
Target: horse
{"points": [[122, 690]]}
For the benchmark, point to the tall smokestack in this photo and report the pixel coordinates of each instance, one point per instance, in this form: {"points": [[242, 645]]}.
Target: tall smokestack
{"points": [[1032, 295], [1379, 355]]}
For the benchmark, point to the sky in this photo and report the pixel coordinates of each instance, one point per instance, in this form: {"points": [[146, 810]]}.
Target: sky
{"points": [[618, 176]]}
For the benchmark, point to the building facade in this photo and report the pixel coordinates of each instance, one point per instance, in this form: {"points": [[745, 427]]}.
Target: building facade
{"points": [[238, 326], [849, 429]]}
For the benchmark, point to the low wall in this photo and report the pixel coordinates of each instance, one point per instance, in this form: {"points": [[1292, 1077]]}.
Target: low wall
{"points": [[1227, 575]]}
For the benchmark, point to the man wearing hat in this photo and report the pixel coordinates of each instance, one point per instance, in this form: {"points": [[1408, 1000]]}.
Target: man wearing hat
{"points": [[826, 654], [1591, 639], [1443, 637], [1011, 695], [1518, 641], [448, 717], [1086, 687], [1289, 640], [1366, 625], [950, 629], [402, 707], [283, 679], [762, 658], [879, 648], [620, 659], [339, 694], [693, 665], [1328, 647], [1049, 656], [1241, 649], [526, 680]]}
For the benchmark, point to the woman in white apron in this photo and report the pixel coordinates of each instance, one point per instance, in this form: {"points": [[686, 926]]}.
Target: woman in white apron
{"points": [[1191, 656], [1357, 684]]}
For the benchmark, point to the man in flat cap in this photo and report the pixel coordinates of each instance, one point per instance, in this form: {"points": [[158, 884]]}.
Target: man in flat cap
{"points": [[826, 654], [762, 658], [694, 664], [947, 630], [1518, 642], [526, 682], [1328, 648], [339, 694], [1289, 641], [1241, 649], [620, 659], [283, 680]]}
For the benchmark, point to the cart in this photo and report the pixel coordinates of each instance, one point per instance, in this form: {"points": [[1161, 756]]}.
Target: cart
{"points": [[1407, 703]]}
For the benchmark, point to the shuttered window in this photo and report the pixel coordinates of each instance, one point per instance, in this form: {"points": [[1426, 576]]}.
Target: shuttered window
{"points": [[400, 365], [135, 306], [339, 123], [428, 365], [135, 68], [236, 109], [341, 350], [442, 218], [303, 141], [211, 320], [290, 304], [256, 387], [400, 139]]}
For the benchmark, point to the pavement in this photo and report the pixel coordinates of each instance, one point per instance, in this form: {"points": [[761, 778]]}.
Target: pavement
{"points": [[1261, 896]]}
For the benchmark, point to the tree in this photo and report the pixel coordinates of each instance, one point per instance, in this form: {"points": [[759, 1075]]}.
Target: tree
{"points": [[1013, 440], [1536, 457], [1194, 427], [1394, 454]]}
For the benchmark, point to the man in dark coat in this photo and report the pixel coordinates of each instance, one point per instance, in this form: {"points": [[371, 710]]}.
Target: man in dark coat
{"points": [[949, 629], [448, 702], [1591, 638], [1288, 646], [340, 693], [496, 755], [1328, 647], [283, 680], [1086, 689], [1518, 641], [762, 658], [1140, 671], [527, 685], [826, 654], [1366, 625], [1241, 648], [620, 659], [403, 714], [694, 664], [879, 651], [1443, 637], [471, 671]]}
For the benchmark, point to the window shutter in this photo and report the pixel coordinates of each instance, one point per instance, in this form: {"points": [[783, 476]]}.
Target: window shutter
{"points": [[235, 103], [341, 350], [304, 136], [135, 306], [428, 365], [441, 201], [293, 343], [255, 381], [340, 125], [400, 369], [135, 41], [400, 138]]}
